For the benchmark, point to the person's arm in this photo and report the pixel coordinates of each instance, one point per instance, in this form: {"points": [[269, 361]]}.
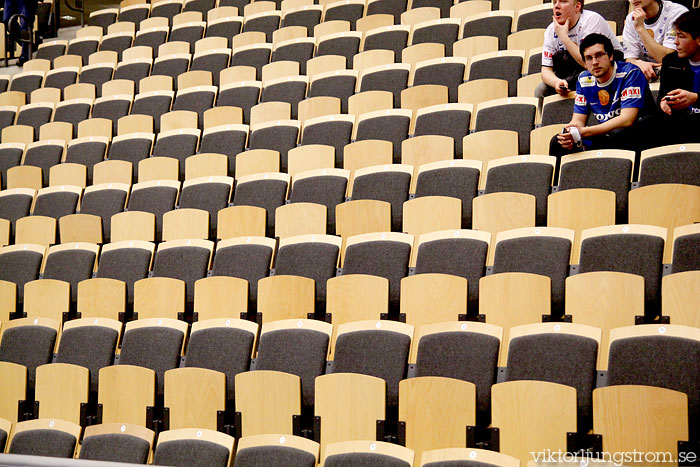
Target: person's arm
{"points": [[655, 50], [626, 118], [562, 31], [646, 67], [680, 99], [550, 79]]}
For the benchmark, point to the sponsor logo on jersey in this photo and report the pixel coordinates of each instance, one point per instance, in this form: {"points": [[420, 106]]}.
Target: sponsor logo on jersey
{"points": [[631, 93], [580, 100], [604, 97], [547, 54], [622, 74], [607, 116], [586, 81]]}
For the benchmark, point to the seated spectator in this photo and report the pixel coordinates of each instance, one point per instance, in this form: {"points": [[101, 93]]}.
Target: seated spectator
{"points": [[561, 59], [649, 34], [680, 83], [618, 96]]}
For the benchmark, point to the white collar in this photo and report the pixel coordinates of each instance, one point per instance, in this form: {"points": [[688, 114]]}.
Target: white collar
{"points": [[612, 77]]}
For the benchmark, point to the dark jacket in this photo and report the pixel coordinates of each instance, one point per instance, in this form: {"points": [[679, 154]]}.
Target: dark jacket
{"points": [[675, 74]]}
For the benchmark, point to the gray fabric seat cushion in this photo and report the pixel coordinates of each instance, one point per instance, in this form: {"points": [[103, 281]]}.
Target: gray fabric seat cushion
{"points": [[280, 351], [3, 439], [299, 52], [225, 29], [507, 68], [267, 194], [249, 262], [178, 147], [497, 26], [346, 12], [97, 76], [546, 256], [157, 200], [686, 253], [456, 182], [189, 34], [344, 46], [395, 41], [20, 267], [456, 256], [255, 57], [383, 354], [210, 197], [631, 253], [73, 114], [364, 459], [452, 123], [289, 91], [229, 143], [44, 157], [316, 261], [558, 358], [14, 207], [132, 150], [155, 106], [84, 48], [125, 264], [380, 258], [191, 453], [56, 205], [9, 157], [526, 177], [133, 72], [605, 173], [661, 361], [342, 87], [325, 189], [199, 102], [227, 350], [390, 128], [112, 110], [103, 203], [266, 24], [244, 97], [116, 44], [467, 356], [88, 153], [26, 84], [279, 138], [391, 187], [445, 74], [152, 39], [47, 443], [30, 346], [390, 7], [91, 347], [115, 448], [188, 264], [392, 80], [157, 348], [334, 133], [681, 167], [70, 266], [263, 456]]}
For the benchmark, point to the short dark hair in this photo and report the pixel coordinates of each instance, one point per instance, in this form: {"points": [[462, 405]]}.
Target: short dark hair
{"points": [[689, 22], [593, 39]]}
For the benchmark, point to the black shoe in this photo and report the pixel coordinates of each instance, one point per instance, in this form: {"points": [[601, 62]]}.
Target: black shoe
{"points": [[21, 61]]}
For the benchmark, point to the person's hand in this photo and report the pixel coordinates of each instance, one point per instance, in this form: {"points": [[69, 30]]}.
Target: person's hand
{"points": [[647, 68], [562, 30], [566, 139], [562, 88], [664, 107], [681, 99], [638, 17]]}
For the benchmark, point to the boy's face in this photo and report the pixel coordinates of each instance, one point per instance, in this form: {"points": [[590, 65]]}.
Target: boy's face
{"points": [[686, 46], [641, 3], [598, 62], [565, 9]]}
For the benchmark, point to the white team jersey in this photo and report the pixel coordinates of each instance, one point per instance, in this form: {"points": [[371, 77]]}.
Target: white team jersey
{"points": [[590, 22], [661, 30]]}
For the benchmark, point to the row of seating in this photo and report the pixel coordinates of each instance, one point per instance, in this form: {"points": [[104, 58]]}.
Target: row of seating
{"points": [[176, 275], [615, 415], [369, 365]]}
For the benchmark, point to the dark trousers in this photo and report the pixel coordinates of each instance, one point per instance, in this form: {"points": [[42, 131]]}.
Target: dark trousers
{"points": [[644, 134], [26, 8]]}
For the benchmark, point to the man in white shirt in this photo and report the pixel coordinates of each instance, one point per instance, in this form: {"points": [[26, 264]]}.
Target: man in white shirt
{"points": [[649, 34], [570, 25]]}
